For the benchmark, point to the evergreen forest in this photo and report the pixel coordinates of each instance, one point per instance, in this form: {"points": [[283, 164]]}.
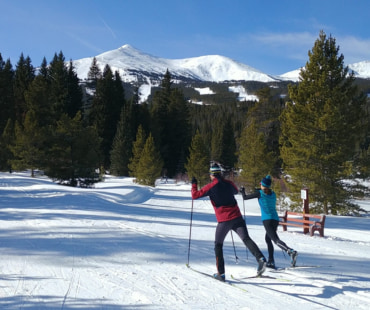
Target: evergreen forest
{"points": [[313, 134]]}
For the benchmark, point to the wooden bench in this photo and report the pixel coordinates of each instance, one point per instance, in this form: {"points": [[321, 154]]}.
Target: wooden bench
{"points": [[309, 222]]}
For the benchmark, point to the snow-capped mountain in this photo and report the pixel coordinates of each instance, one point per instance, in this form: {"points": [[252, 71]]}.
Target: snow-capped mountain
{"points": [[137, 66], [134, 65], [360, 69]]}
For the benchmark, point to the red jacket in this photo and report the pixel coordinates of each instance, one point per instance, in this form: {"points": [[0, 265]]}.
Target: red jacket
{"points": [[221, 192]]}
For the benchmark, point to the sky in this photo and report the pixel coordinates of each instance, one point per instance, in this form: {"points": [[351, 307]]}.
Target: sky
{"points": [[121, 245], [268, 35]]}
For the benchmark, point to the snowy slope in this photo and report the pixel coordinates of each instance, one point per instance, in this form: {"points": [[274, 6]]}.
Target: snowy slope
{"points": [[291, 75], [125, 246]]}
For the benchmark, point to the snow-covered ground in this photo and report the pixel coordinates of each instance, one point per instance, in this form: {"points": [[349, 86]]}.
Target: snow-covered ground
{"points": [[125, 246]]}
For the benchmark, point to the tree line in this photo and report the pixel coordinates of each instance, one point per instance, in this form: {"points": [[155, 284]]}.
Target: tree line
{"points": [[316, 137]]}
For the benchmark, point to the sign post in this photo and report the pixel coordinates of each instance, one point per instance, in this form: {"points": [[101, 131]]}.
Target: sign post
{"points": [[306, 208]]}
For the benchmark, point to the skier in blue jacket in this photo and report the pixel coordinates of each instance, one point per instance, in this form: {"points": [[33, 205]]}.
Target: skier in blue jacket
{"points": [[270, 219]]}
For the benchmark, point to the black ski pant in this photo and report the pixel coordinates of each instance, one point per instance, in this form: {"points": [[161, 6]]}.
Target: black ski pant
{"points": [[238, 225], [271, 235]]}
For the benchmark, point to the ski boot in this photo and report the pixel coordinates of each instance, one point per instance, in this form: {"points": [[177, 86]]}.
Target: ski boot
{"points": [[270, 264], [261, 266], [220, 277], [293, 257]]}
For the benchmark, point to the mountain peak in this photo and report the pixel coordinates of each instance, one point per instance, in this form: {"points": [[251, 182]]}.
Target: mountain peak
{"points": [[128, 49], [126, 46]]}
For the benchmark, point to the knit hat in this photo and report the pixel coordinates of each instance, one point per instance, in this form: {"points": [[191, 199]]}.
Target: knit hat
{"points": [[266, 181], [215, 170]]}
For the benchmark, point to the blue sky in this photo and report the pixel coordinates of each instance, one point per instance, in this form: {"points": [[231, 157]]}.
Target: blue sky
{"points": [[269, 35]]}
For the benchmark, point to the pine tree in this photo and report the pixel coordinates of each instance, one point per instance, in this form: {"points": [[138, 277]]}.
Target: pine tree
{"points": [[170, 125], [150, 164], [6, 93], [74, 92], [160, 119], [28, 149], [23, 76], [94, 74], [137, 151], [108, 101], [58, 90], [179, 132], [228, 154], [74, 154], [89, 88], [321, 126], [37, 99], [217, 139], [6, 142], [363, 161], [255, 161], [198, 161], [122, 143], [43, 71], [140, 113], [266, 113]]}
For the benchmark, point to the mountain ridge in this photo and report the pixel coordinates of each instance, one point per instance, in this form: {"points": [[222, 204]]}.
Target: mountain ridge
{"points": [[129, 62], [136, 66]]}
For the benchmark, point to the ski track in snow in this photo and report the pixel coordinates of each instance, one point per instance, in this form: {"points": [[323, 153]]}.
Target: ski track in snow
{"points": [[125, 246]]}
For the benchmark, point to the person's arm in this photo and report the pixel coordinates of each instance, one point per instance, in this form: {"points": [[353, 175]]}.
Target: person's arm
{"points": [[256, 194], [195, 194]]}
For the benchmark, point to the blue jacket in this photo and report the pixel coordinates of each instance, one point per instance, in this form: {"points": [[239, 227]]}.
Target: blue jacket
{"points": [[267, 204]]}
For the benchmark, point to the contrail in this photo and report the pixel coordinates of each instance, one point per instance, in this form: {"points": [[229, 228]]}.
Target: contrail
{"points": [[109, 28]]}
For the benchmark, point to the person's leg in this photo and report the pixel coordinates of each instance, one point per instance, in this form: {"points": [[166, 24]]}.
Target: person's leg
{"points": [[221, 231], [241, 229], [271, 230], [270, 248]]}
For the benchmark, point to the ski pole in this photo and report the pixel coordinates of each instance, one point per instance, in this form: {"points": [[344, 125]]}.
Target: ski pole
{"points": [[191, 223], [243, 206], [236, 257], [246, 250]]}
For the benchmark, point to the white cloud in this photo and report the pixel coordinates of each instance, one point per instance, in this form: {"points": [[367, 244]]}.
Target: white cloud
{"points": [[295, 45], [292, 39], [353, 48]]}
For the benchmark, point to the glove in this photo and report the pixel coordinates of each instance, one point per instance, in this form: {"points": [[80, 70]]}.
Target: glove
{"points": [[242, 190], [194, 181]]}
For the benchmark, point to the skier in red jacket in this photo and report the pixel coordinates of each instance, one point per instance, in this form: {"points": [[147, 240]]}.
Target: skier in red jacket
{"points": [[221, 193]]}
